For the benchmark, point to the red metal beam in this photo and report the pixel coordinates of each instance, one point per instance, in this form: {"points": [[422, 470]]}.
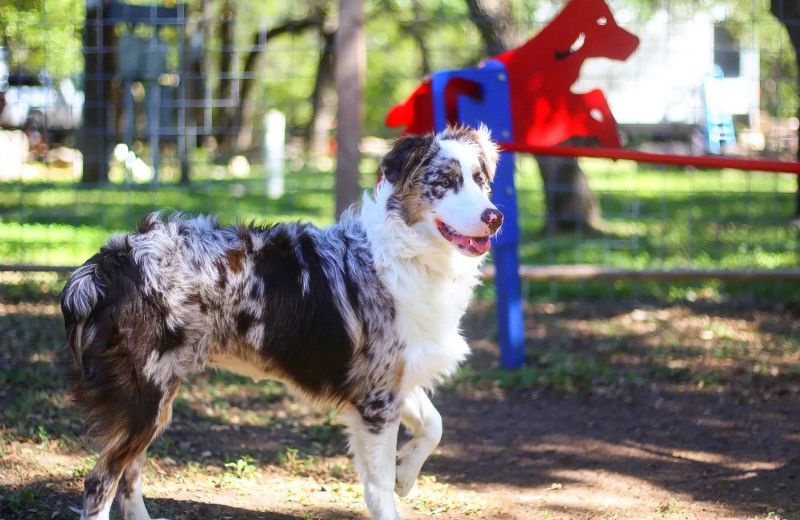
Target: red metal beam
{"points": [[657, 158], [588, 273]]}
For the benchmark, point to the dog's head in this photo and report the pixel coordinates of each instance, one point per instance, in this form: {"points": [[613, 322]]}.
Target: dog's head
{"points": [[440, 187]]}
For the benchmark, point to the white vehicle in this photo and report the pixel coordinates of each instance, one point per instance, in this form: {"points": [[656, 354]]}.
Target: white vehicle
{"points": [[37, 104]]}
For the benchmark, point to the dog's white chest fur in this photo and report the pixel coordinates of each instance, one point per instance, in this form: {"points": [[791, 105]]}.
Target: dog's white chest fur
{"points": [[431, 288]]}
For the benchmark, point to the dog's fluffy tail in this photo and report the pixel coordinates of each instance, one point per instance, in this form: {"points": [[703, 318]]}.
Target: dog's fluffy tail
{"points": [[84, 290]]}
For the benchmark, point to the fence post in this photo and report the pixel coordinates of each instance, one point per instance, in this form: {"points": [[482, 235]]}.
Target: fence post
{"points": [[274, 145], [350, 59], [98, 42], [490, 104], [510, 322]]}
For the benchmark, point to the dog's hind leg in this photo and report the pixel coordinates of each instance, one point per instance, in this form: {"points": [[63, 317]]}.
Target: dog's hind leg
{"points": [[122, 454], [102, 483], [373, 441], [425, 423], [129, 491], [124, 409]]}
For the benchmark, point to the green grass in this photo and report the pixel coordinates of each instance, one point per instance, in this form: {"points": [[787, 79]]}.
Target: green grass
{"points": [[670, 218], [665, 219], [61, 224], [652, 218], [30, 362], [610, 349]]}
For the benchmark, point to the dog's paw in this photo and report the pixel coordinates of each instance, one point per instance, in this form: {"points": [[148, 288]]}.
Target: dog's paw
{"points": [[407, 469], [405, 477]]}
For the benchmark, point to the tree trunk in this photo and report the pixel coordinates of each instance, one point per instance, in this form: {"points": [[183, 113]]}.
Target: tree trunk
{"points": [[350, 65], [228, 87], [788, 13], [571, 204], [493, 20], [192, 86], [322, 113], [99, 44], [416, 30]]}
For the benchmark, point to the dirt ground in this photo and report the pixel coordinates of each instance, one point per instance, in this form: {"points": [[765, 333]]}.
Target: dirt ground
{"points": [[623, 412]]}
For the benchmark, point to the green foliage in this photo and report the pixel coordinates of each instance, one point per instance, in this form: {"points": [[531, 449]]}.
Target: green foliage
{"points": [[395, 57], [296, 462], [242, 468], [754, 26], [43, 35], [46, 34]]}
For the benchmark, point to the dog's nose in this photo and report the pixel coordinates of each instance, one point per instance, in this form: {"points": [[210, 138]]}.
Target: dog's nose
{"points": [[493, 219]]}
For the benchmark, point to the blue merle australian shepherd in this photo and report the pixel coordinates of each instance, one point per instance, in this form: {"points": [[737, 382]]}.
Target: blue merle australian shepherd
{"points": [[362, 316]]}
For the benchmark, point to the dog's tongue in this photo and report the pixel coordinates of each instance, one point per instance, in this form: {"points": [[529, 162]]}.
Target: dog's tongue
{"points": [[481, 244], [477, 244]]}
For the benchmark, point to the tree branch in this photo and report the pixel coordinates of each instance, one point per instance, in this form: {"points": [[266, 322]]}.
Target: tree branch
{"points": [[323, 80], [246, 106], [494, 27]]}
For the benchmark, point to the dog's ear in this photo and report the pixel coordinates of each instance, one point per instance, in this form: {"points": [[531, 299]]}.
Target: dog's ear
{"points": [[406, 153], [490, 153]]}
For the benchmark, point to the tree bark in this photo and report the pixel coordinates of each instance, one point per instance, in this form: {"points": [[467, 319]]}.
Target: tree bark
{"points": [[788, 13], [228, 86], [416, 30], [99, 129], [321, 114], [350, 65], [493, 20], [570, 203]]}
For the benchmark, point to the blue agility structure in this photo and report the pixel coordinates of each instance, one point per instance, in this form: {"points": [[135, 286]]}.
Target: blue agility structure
{"points": [[475, 97]]}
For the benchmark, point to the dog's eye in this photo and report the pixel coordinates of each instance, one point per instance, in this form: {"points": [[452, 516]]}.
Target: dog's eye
{"points": [[445, 182]]}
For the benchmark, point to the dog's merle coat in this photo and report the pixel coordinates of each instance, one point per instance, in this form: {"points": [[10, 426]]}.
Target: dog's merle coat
{"points": [[361, 316]]}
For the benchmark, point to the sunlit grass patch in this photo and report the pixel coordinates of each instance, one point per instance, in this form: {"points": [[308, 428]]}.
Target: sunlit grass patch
{"points": [[433, 498]]}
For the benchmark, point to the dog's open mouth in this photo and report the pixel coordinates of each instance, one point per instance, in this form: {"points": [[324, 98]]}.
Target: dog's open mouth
{"points": [[470, 245]]}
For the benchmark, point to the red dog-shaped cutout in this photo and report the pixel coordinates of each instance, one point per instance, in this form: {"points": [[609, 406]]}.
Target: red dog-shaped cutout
{"points": [[544, 111]]}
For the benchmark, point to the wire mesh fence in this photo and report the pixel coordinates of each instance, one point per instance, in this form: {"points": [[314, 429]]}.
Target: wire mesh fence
{"points": [[112, 110]]}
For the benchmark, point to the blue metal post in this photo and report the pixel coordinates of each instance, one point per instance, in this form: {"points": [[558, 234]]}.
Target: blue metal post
{"points": [[494, 110], [510, 324]]}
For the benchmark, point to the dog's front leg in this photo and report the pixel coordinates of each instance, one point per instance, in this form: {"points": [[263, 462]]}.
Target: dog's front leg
{"points": [[373, 441], [425, 423]]}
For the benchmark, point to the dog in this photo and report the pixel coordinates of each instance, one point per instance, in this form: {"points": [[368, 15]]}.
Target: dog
{"points": [[544, 110], [362, 316]]}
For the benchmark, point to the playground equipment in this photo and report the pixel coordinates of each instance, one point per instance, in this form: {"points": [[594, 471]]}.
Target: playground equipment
{"points": [[524, 97], [532, 83], [719, 122], [540, 74]]}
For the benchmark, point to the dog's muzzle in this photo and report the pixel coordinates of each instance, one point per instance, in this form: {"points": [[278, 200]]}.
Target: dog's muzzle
{"points": [[493, 220]]}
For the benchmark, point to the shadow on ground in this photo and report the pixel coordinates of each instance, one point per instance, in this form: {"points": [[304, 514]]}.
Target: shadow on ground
{"points": [[613, 419], [48, 498]]}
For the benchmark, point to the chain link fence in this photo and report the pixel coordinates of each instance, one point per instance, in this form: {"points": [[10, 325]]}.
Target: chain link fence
{"points": [[113, 110]]}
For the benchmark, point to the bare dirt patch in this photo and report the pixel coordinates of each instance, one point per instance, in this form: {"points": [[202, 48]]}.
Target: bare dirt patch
{"points": [[623, 412]]}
